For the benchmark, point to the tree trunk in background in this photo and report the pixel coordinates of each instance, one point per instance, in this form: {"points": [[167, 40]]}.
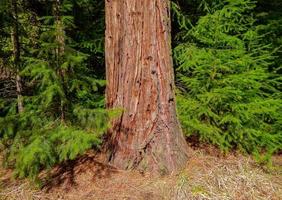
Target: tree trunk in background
{"points": [[60, 50], [140, 80], [16, 54]]}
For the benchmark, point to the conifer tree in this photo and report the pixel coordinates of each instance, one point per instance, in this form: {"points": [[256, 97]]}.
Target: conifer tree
{"points": [[63, 114], [140, 81], [16, 53], [225, 96], [52, 79]]}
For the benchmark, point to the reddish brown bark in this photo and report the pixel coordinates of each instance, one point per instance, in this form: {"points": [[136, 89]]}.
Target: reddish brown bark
{"points": [[140, 80]]}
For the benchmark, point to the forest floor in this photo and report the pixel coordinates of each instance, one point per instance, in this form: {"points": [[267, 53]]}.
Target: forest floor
{"points": [[207, 175]]}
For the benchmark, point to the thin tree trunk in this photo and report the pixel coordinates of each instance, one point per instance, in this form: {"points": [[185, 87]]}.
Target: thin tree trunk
{"points": [[60, 39], [140, 80], [16, 53]]}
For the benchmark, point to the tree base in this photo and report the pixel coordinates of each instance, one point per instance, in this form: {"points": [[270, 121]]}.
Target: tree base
{"points": [[161, 152]]}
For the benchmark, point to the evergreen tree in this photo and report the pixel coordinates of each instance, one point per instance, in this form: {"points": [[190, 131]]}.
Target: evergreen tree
{"points": [[140, 80], [52, 79], [225, 94], [64, 111]]}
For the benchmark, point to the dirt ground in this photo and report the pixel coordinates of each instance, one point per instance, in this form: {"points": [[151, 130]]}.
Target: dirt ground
{"points": [[207, 175]]}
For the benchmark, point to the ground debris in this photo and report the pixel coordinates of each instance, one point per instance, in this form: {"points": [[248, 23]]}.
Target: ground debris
{"points": [[206, 176]]}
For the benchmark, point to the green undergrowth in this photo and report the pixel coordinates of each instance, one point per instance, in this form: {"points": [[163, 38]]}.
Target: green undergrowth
{"points": [[226, 93]]}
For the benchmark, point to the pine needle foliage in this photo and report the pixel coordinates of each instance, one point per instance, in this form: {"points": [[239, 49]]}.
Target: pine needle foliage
{"points": [[225, 92], [64, 112]]}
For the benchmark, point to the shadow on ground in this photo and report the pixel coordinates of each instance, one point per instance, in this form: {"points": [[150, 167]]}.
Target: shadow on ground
{"points": [[207, 175]]}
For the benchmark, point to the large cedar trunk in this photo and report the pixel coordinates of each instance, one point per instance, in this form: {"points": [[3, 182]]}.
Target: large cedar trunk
{"points": [[140, 81]]}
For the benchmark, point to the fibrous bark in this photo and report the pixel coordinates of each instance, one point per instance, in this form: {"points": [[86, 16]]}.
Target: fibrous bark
{"points": [[140, 81]]}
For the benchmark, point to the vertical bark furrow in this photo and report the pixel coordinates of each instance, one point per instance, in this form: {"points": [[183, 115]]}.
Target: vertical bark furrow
{"points": [[140, 80]]}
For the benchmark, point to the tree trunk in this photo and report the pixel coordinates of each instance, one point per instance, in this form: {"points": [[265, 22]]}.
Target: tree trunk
{"points": [[16, 54], [140, 80], [60, 50]]}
